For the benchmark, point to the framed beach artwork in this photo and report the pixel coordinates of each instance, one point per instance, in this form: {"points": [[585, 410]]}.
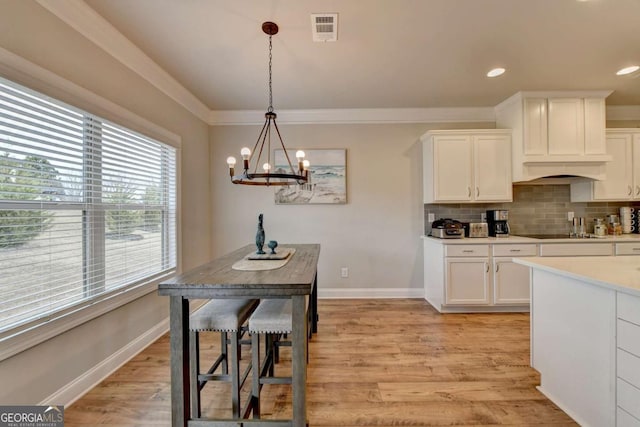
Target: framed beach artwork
{"points": [[327, 182]]}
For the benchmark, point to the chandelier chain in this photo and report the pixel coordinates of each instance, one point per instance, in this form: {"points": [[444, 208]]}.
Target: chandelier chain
{"points": [[270, 109]]}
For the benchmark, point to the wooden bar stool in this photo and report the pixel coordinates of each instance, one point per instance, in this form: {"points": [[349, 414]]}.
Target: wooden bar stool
{"points": [[226, 316], [272, 318]]}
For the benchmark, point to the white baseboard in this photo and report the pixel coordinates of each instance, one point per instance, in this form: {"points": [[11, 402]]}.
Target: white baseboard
{"points": [[362, 293], [81, 385]]}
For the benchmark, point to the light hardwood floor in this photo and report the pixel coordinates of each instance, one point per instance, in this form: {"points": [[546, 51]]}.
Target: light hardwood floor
{"points": [[372, 363]]}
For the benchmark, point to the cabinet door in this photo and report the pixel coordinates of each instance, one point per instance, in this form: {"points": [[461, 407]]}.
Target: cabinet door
{"points": [[636, 166], [467, 281], [618, 185], [452, 168], [566, 126], [492, 168], [535, 126], [594, 126], [510, 282]]}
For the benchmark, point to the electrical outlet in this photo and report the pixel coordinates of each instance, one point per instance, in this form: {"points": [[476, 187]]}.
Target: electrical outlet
{"points": [[344, 272], [431, 217], [483, 217], [570, 216]]}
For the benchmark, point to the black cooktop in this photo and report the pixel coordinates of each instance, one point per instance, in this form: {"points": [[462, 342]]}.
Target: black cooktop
{"points": [[550, 236]]}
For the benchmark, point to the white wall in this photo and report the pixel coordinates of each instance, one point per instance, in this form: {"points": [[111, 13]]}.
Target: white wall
{"points": [[376, 234], [50, 369]]}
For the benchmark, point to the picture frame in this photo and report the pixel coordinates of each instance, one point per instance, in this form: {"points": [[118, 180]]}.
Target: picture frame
{"points": [[327, 182]]}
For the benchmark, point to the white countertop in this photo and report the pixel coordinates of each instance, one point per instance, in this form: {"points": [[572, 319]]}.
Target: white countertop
{"points": [[520, 239], [483, 240], [621, 273]]}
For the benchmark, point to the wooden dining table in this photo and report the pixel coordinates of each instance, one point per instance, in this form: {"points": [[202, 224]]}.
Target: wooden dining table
{"points": [[297, 280]]}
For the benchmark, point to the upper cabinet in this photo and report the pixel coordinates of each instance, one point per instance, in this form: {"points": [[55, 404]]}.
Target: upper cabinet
{"points": [[622, 181], [556, 133], [467, 166]]}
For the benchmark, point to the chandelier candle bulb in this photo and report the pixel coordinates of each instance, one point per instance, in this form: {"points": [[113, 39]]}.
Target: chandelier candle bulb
{"points": [[266, 167], [300, 157], [231, 161]]}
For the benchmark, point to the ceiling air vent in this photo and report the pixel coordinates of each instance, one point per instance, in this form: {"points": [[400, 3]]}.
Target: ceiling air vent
{"points": [[324, 27]]}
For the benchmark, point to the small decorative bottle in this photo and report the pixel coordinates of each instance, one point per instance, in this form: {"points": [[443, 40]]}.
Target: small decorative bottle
{"points": [[260, 237]]}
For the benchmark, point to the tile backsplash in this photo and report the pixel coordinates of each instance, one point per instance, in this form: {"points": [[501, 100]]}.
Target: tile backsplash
{"points": [[536, 209]]}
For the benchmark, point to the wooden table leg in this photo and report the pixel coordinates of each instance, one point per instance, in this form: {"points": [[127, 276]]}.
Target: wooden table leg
{"points": [[299, 361], [314, 305], [179, 336]]}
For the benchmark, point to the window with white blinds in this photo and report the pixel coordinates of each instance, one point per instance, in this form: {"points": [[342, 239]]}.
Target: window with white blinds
{"points": [[87, 208]]}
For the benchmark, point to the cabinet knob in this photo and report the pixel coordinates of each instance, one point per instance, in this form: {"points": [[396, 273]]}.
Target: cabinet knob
{"points": [[514, 250], [469, 191], [487, 267], [477, 191], [497, 267], [630, 192], [637, 190]]}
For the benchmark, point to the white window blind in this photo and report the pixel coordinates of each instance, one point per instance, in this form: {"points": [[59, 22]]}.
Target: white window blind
{"points": [[87, 208]]}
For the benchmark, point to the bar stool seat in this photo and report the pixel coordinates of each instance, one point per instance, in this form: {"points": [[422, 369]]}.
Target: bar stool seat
{"points": [[226, 316], [272, 318]]}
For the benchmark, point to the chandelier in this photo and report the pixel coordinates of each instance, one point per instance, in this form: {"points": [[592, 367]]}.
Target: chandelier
{"points": [[279, 176]]}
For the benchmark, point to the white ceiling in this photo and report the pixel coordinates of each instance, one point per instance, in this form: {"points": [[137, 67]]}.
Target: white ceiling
{"points": [[389, 53]]}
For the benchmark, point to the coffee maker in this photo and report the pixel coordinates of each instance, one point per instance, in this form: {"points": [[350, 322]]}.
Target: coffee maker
{"points": [[498, 223]]}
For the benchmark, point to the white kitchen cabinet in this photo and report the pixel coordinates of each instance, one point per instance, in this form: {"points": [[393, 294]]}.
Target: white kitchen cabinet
{"points": [[467, 277], [622, 180], [467, 281], [467, 166], [576, 249], [510, 280], [628, 357], [627, 248], [556, 133]]}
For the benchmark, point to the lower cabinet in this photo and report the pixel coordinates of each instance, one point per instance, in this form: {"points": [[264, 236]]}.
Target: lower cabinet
{"points": [[510, 282], [476, 277], [467, 281], [628, 360]]}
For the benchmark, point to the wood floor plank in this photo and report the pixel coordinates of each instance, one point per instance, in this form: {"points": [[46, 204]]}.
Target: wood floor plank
{"points": [[373, 363]]}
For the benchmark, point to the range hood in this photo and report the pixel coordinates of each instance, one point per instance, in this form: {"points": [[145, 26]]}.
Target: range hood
{"points": [[556, 135], [565, 168]]}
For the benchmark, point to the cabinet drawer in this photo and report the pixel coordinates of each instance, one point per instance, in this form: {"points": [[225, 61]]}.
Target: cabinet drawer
{"points": [[515, 250], [624, 419], [628, 397], [466, 250], [576, 249], [628, 367], [628, 308], [628, 248], [629, 337]]}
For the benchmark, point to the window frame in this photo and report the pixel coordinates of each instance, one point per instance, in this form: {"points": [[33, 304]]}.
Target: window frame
{"points": [[31, 76]]}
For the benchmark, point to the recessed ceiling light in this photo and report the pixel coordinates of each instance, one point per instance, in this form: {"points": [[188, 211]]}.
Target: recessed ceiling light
{"points": [[628, 70], [496, 72]]}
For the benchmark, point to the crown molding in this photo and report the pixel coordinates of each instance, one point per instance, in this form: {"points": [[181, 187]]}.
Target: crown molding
{"points": [[94, 27], [357, 115]]}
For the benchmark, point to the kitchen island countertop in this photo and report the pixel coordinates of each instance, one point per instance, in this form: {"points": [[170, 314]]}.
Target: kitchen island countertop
{"points": [[621, 273]]}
